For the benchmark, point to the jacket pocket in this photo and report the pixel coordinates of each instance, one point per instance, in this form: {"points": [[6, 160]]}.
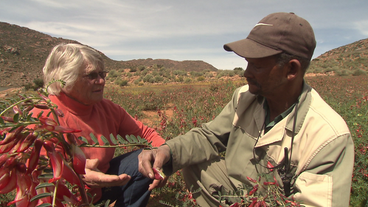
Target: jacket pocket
{"points": [[314, 189]]}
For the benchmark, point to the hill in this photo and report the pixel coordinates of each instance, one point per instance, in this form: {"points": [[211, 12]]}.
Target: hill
{"points": [[23, 53], [351, 59]]}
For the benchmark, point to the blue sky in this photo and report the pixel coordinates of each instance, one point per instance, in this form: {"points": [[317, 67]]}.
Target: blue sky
{"points": [[181, 30]]}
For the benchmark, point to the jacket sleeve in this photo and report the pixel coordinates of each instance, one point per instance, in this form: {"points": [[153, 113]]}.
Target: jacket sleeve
{"points": [[327, 178], [205, 143]]}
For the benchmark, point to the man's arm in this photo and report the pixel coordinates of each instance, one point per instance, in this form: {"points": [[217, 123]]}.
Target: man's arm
{"points": [[327, 178]]}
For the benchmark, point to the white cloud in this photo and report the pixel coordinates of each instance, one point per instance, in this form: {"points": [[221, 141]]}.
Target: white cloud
{"points": [[181, 30]]}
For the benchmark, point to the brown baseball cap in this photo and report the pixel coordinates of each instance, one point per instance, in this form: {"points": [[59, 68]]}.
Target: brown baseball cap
{"points": [[276, 33]]}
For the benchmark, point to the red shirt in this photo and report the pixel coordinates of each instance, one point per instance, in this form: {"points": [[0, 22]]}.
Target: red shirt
{"points": [[103, 118]]}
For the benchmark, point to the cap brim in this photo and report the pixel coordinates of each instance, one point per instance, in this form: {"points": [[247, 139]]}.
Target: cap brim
{"points": [[248, 48]]}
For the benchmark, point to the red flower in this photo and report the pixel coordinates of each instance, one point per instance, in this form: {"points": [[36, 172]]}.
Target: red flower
{"points": [[56, 161], [35, 154], [51, 125], [79, 160]]}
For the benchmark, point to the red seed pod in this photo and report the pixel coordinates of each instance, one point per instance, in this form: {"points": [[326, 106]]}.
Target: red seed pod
{"points": [[8, 119], [159, 175], [270, 166], [35, 155], [17, 110], [11, 184], [5, 130], [41, 106], [59, 112], [251, 180], [3, 158], [56, 161], [11, 135], [27, 142], [255, 188], [28, 109], [45, 98], [269, 183]]}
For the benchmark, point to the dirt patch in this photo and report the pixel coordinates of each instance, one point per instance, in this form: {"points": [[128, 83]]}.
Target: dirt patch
{"points": [[152, 118], [9, 91]]}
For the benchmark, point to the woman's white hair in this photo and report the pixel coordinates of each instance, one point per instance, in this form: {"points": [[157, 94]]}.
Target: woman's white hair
{"points": [[65, 63]]}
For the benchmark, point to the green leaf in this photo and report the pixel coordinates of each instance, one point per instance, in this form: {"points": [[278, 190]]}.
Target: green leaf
{"points": [[131, 139], [46, 176], [141, 140], [43, 185], [29, 117], [16, 118], [95, 140], [42, 195], [83, 139], [113, 140], [2, 121], [40, 114], [121, 139], [105, 141], [107, 203]]}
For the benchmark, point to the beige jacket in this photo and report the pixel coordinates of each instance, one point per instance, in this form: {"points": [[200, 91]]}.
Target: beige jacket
{"points": [[322, 153]]}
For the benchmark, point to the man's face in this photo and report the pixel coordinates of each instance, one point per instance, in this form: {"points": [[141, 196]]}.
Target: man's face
{"points": [[88, 88], [264, 76]]}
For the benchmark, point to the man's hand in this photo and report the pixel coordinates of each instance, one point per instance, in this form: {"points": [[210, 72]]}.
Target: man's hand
{"points": [[94, 178], [158, 157]]}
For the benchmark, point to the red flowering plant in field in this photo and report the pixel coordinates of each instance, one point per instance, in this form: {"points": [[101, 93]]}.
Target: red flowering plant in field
{"points": [[264, 192], [39, 159]]}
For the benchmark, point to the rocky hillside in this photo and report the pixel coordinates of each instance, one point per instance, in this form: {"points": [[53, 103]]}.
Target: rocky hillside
{"points": [[23, 52], [351, 59]]}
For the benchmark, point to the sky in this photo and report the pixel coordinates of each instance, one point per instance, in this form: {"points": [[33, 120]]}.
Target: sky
{"points": [[181, 30]]}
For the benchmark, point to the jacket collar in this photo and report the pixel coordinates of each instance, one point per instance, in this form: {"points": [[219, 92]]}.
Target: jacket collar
{"points": [[277, 133], [254, 127]]}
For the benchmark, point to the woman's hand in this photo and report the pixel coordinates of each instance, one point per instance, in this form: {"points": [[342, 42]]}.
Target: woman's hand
{"points": [[94, 178]]}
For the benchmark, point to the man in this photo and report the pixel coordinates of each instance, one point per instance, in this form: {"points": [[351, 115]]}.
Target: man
{"points": [[277, 125]]}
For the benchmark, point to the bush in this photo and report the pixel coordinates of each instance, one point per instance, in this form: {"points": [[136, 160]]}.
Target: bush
{"points": [[158, 79], [113, 74], [148, 78], [342, 72], [121, 82], [187, 80], [359, 72], [133, 69], [141, 68], [38, 83], [200, 78]]}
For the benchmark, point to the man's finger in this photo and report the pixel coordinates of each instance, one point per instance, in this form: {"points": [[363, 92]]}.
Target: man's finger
{"points": [[145, 166], [154, 184], [162, 156]]}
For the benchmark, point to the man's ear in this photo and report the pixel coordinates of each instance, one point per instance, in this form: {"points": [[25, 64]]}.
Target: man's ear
{"points": [[294, 69]]}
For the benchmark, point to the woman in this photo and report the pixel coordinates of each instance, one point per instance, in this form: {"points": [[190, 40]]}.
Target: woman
{"points": [[81, 100]]}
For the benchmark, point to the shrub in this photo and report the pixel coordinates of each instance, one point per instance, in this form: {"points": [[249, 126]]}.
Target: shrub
{"points": [[200, 78], [158, 79], [133, 69], [38, 83], [359, 72], [121, 82], [113, 74], [187, 80], [141, 68]]}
